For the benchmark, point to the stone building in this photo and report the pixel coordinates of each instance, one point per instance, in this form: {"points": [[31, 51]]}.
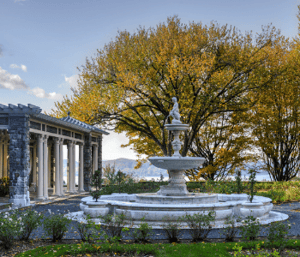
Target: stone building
{"points": [[31, 152]]}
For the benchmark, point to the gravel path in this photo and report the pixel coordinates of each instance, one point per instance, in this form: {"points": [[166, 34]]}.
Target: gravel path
{"points": [[72, 205]]}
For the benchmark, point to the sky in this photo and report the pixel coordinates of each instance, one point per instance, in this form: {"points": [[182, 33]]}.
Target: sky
{"points": [[42, 42]]}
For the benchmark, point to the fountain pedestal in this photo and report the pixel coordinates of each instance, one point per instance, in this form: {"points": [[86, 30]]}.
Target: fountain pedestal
{"points": [[176, 186]]}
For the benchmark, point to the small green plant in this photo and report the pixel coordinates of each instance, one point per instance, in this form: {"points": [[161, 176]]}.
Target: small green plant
{"points": [[230, 230], [252, 184], [277, 234], [30, 220], [238, 181], [56, 226], [96, 182], [143, 232], [86, 230], [113, 225], [250, 229], [172, 229], [199, 224], [10, 228]]}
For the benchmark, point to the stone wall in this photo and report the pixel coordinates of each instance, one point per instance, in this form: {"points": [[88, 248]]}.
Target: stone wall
{"points": [[88, 162], [19, 156]]}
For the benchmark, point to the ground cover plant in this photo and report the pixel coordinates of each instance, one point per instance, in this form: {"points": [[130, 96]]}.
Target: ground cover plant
{"points": [[259, 248]]}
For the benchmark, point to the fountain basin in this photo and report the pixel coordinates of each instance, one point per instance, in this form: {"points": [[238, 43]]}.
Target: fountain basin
{"points": [[135, 207], [176, 163]]}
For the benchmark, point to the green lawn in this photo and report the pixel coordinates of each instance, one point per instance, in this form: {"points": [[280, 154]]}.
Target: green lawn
{"points": [[157, 250]]}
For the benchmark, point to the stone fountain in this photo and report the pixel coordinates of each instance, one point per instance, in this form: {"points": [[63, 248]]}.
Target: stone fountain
{"points": [[174, 200]]}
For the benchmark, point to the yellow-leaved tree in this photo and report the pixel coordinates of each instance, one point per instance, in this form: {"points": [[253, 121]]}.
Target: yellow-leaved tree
{"points": [[129, 84]]}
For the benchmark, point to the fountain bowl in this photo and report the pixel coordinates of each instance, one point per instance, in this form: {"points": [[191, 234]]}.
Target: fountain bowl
{"points": [[176, 163]]}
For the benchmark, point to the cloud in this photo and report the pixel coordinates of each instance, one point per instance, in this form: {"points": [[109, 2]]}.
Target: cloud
{"points": [[40, 93], [72, 81], [11, 81], [22, 67], [18, 1]]}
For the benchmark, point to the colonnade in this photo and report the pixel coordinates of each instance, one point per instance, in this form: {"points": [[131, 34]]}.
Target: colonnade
{"points": [[43, 177]]}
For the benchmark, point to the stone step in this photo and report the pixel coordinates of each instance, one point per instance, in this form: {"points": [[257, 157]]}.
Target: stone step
{"points": [[4, 205]]}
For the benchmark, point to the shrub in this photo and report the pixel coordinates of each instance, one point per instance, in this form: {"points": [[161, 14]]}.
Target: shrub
{"points": [[10, 228], [96, 181], [172, 229], [142, 232], [250, 229], [277, 233], [199, 224], [30, 220], [87, 230], [4, 186], [113, 225], [252, 183], [56, 226], [231, 230]]}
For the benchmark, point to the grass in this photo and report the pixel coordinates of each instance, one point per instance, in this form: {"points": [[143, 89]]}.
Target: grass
{"points": [[158, 250]]}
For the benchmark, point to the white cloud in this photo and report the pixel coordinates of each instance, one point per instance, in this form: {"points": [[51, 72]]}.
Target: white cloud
{"points": [[40, 93], [18, 1], [72, 81], [11, 81], [22, 67]]}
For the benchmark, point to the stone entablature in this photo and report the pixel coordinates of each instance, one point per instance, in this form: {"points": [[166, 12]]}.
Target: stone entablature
{"points": [[34, 143]]}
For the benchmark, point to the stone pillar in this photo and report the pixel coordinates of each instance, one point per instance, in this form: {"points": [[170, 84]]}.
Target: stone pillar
{"points": [[74, 167], [95, 158], [1, 158], [34, 165], [40, 150], [20, 155], [99, 140], [50, 166], [46, 166], [88, 165], [70, 166], [56, 187], [61, 166], [80, 173]]}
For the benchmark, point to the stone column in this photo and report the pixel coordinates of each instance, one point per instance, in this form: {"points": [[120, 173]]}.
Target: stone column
{"points": [[95, 155], [46, 167], [80, 173], [34, 165], [70, 170], [61, 166], [56, 187], [40, 150], [20, 155], [1, 158], [88, 165], [74, 167]]}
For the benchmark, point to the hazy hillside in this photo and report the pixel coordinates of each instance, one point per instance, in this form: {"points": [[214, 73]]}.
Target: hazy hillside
{"points": [[127, 166]]}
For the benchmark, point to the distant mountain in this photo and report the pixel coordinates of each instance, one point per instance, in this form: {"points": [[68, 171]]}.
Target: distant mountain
{"points": [[127, 166]]}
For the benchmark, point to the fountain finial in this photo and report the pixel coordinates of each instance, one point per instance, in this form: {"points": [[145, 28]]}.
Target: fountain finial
{"points": [[175, 112]]}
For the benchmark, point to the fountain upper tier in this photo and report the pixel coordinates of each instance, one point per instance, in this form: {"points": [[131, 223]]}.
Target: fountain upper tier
{"points": [[176, 163]]}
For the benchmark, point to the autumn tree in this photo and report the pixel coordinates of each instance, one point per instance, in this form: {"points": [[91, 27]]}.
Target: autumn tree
{"points": [[129, 84], [276, 117], [224, 143]]}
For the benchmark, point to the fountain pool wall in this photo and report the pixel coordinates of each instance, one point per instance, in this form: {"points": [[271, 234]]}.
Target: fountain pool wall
{"points": [[154, 213]]}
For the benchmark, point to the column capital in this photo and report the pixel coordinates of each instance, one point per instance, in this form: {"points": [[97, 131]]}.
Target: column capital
{"points": [[80, 143], [56, 140], [45, 137], [39, 136]]}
